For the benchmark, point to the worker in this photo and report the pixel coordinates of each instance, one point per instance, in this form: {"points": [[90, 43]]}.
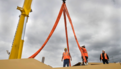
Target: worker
{"points": [[104, 57], [66, 57], [82, 56], [85, 54]]}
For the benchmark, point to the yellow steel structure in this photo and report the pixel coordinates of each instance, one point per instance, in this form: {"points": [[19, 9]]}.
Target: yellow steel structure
{"points": [[20, 49], [17, 46]]}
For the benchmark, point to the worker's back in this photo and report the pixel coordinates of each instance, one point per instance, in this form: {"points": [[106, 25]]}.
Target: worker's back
{"points": [[85, 52]]}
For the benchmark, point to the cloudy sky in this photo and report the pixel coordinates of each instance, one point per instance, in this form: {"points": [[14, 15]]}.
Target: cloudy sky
{"points": [[96, 22]]}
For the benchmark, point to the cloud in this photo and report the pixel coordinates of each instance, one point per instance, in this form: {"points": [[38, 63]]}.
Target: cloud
{"points": [[96, 24]]}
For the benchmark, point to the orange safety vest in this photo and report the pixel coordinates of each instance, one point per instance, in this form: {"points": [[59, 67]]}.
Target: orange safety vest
{"points": [[105, 55], [66, 55], [85, 52]]}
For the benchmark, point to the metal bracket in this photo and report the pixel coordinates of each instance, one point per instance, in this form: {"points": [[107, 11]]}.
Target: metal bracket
{"points": [[19, 8]]}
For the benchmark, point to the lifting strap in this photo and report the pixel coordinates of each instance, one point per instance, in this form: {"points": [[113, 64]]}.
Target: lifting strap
{"points": [[65, 11], [80, 48], [55, 25], [64, 14]]}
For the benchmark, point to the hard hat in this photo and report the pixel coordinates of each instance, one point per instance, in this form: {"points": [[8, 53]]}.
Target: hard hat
{"points": [[83, 46], [65, 48]]}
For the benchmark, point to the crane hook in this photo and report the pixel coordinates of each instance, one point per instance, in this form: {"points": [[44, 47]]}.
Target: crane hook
{"points": [[64, 1]]}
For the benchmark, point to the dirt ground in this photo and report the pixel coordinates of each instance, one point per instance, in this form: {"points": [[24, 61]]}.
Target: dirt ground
{"points": [[35, 64]]}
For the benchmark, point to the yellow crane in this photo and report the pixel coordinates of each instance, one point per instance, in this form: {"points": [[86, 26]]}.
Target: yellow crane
{"points": [[17, 46]]}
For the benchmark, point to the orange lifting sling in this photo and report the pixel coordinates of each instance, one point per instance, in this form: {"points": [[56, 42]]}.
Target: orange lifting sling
{"points": [[65, 12]]}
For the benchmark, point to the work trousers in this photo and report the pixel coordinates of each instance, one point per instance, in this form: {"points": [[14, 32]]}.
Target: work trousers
{"points": [[86, 59], [66, 62], [105, 61]]}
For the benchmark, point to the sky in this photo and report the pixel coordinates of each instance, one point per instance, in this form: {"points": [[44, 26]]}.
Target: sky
{"points": [[96, 23]]}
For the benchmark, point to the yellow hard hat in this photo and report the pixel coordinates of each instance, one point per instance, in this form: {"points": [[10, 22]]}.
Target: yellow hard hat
{"points": [[65, 48]]}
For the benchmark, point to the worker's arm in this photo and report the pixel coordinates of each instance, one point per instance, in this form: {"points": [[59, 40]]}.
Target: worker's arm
{"points": [[70, 56], [100, 57], [81, 48], [62, 58], [107, 57]]}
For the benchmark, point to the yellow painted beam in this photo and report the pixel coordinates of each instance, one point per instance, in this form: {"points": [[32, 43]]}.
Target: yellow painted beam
{"points": [[20, 49], [15, 51], [17, 38], [27, 6]]}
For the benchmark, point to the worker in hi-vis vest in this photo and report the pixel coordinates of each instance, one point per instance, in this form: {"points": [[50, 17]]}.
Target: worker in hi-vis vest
{"points": [[66, 57], [104, 57], [85, 54]]}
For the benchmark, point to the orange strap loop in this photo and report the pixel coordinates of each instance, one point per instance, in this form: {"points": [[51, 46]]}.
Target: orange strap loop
{"points": [[55, 25], [80, 48], [66, 32], [63, 9]]}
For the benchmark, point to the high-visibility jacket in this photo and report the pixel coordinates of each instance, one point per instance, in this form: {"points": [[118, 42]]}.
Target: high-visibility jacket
{"points": [[105, 55], [66, 55], [85, 52]]}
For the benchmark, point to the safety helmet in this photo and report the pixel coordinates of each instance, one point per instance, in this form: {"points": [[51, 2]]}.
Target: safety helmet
{"points": [[83, 46]]}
